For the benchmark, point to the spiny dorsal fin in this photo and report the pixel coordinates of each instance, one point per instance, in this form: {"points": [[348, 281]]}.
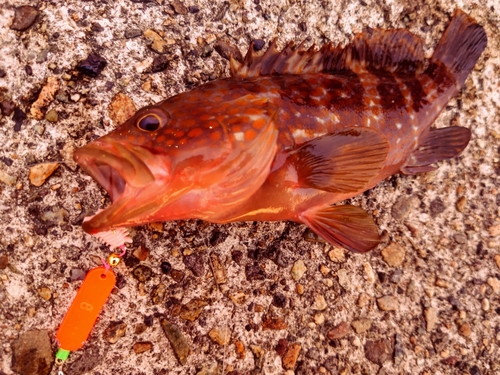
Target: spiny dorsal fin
{"points": [[389, 50]]}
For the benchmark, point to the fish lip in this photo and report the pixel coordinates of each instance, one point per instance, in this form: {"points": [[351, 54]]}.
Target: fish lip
{"points": [[113, 166]]}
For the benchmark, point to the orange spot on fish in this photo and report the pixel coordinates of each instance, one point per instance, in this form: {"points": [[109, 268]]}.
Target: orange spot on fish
{"points": [[211, 124], [196, 132], [170, 142], [250, 135], [259, 124], [236, 128], [178, 133], [215, 136], [188, 123]]}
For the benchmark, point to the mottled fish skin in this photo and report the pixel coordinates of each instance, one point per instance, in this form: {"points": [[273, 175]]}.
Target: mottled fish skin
{"points": [[288, 135]]}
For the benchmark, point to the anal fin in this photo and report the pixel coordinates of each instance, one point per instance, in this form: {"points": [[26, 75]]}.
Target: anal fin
{"points": [[341, 162], [439, 144], [346, 226]]}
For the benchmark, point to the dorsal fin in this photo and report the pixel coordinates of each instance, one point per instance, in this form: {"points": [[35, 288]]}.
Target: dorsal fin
{"points": [[389, 50]]}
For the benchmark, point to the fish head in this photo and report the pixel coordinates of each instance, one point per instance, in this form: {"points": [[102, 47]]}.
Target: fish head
{"points": [[149, 161]]}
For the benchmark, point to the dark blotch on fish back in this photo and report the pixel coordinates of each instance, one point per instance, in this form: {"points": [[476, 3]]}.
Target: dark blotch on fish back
{"points": [[417, 93], [346, 95], [440, 75], [390, 93]]}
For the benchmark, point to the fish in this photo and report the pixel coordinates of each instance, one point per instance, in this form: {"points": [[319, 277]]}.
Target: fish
{"points": [[289, 135]]}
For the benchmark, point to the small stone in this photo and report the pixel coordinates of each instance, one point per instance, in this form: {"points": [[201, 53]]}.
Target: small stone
{"points": [[298, 270], [259, 354], [279, 300], [132, 33], [369, 274], [18, 118], [394, 254], [319, 319], [77, 274], [140, 328], [7, 179], [52, 116], [177, 275], [226, 50], [363, 300], [239, 348], [300, 289], [177, 340], [220, 335], [141, 253], [290, 358], [494, 283], [337, 255], [156, 41], [344, 277], [319, 303], [494, 230], [114, 331], [339, 331], [273, 323], [194, 262], [442, 283], [92, 66], [142, 273], [239, 298], [361, 325], [485, 304], [160, 63], [142, 346], [4, 261], [218, 269], [121, 108], [45, 97], [254, 272], [166, 268], [461, 203], [62, 97], [75, 97], [45, 293], [7, 107], [158, 294], [436, 207], [179, 7], [32, 353], [379, 351], [24, 17], [431, 318], [388, 303], [465, 330], [192, 310], [460, 238]]}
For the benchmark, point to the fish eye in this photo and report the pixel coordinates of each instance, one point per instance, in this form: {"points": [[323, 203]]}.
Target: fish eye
{"points": [[149, 123]]}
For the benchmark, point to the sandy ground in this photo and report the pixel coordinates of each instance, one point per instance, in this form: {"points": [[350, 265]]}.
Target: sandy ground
{"points": [[425, 302]]}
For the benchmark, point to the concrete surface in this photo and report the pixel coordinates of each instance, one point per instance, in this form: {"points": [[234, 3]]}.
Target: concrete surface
{"points": [[443, 317]]}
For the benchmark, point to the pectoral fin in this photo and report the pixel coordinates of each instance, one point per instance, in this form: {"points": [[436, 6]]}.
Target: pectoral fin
{"points": [[345, 226], [341, 162], [438, 144]]}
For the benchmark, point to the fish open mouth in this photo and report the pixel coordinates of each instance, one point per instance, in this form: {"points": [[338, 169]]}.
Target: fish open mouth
{"points": [[114, 166]]}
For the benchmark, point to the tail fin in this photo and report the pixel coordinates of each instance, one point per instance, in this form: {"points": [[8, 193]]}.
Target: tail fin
{"points": [[460, 46]]}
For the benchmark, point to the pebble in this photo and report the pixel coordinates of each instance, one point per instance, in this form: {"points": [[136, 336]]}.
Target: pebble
{"points": [[192, 310], [442, 283], [158, 294], [494, 283], [259, 354], [319, 303], [142, 346], [52, 116], [121, 108], [273, 323], [140, 328], [141, 253], [497, 260], [7, 178], [88, 360], [142, 273], [361, 325], [159, 64], [436, 207], [18, 118], [7, 107], [177, 340], [4, 261], [177, 275], [402, 207], [45, 97], [388, 303], [239, 348], [218, 269], [298, 270], [220, 335], [62, 97], [290, 358], [194, 262], [32, 353], [431, 318], [132, 33], [369, 274], [114, 331], [45, 293], [344, 279], [485, 304], [226, 50], [300, 289], [378, 351], [319, 319], [494, 230], [157, 43], [92, 66], [77, 274], [394, 254], [339, 331], [179, 7], [166, 268], [254, 272], [75, 97], [337, 255], [465, 330], [39, 129], [24, 17], [239, 298], [461, 203]]}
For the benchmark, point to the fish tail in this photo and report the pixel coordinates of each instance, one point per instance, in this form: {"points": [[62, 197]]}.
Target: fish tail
{"points": [[460, 46]]}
